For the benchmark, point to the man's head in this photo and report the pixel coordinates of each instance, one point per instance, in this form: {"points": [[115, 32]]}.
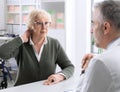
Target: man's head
{"points": [[106, 22]]}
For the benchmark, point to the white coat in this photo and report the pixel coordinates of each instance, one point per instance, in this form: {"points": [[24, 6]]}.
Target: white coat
{"points": [[103, 72]]}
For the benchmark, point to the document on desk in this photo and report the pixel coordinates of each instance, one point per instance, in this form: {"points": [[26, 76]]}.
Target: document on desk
{"points": [[78, 87], [71, 90]]}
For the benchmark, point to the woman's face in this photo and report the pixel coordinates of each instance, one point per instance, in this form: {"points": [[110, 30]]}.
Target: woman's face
{"points": [[41, 27]]}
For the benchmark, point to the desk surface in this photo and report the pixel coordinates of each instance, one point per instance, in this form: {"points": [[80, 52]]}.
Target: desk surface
{"points": [[39, 87]]}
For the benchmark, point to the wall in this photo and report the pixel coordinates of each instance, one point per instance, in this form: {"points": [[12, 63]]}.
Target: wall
{"points": [[82, 25], [70, 30], [2, 19], [78, 38]]}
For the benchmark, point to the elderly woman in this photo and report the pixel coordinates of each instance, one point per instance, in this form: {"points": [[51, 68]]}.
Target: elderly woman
{"points": [[37, 54]]}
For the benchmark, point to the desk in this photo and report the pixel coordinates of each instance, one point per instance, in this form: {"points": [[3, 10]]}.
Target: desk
{"points": [[71, 83]]}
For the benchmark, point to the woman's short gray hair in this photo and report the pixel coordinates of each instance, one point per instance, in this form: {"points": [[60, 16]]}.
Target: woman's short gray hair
{"points": [[35, 15]]}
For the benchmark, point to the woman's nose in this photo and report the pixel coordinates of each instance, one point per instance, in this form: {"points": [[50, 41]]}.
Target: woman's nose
{"points": [[43, 26]]}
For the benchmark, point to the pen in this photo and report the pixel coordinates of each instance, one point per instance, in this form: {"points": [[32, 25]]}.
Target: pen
{"points": [[82, 72]]}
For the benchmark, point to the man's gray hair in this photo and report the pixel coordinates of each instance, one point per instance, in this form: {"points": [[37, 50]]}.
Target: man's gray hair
{"points": [[110, 11]]}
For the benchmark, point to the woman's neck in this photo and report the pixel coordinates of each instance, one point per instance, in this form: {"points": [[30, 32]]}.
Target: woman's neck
{"points": [[37, 40]]}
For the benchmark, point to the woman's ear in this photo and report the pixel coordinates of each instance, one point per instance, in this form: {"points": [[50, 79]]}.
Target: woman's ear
{"points": [[30, 29], [106, 27]]}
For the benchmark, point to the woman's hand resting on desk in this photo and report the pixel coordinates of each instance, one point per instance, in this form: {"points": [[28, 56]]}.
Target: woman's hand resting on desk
{"points": [[86, 59], [54, 78]]}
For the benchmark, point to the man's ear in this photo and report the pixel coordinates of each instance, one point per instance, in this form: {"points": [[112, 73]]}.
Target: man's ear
{"points": [[106, 27]]}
